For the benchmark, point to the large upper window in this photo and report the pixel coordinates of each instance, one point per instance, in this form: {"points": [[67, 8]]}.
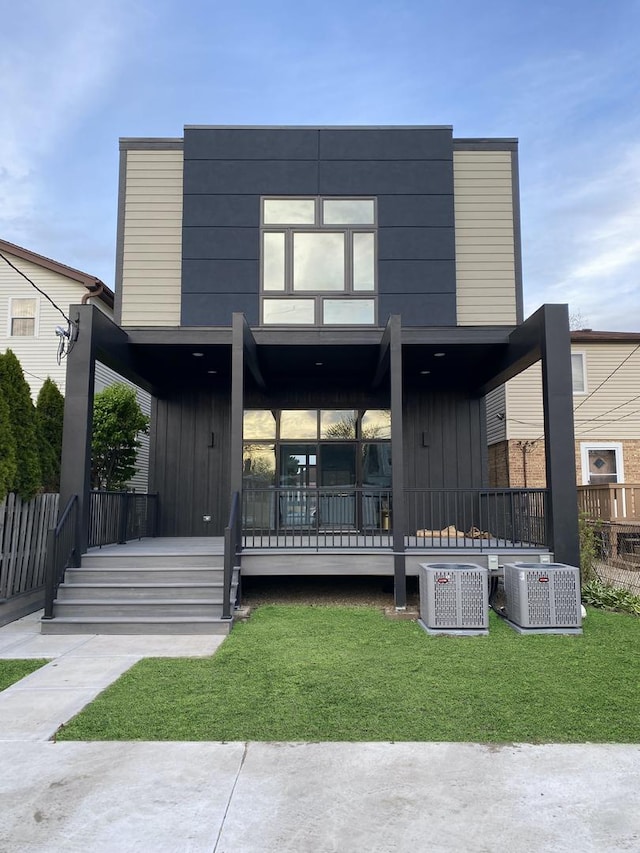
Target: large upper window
{"points": [[318, 261]]}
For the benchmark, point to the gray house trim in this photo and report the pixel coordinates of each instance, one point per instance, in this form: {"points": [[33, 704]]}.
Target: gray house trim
{"points": [[318, 127], [508, 144], [133, 144], [517, 236], [122, 187], [397, 455]]}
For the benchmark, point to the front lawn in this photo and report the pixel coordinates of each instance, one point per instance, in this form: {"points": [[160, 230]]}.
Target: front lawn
{"points": [[13, 670], [332, 674]]}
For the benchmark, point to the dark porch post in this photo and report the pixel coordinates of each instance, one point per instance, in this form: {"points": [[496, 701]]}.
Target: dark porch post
{"points": [[557, 394], [397, 458], [237, 400], [75, 470]]}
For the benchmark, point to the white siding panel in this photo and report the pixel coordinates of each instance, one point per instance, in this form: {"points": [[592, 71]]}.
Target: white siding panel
{"points": [[609, 411], [496, 415], [485, 246], [152, 256], [104, 377], [38, 354]]}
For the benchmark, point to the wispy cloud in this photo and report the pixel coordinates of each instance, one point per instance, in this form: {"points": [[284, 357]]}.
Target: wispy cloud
{"points": [[56, 60]]}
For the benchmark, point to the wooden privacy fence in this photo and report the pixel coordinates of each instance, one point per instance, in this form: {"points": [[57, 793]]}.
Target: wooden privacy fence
{"points": [[23, 542]]}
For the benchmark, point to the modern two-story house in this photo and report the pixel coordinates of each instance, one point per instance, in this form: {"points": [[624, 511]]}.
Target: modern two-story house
{"points": [[319, 313]]}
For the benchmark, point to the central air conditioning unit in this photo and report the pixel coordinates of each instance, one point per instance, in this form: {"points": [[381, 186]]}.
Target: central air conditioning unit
{"points": [[454, 598], [543, 597]]}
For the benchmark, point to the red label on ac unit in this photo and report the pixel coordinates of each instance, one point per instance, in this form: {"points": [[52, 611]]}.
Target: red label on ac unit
{"points": [[543, 580], [442, 580]]}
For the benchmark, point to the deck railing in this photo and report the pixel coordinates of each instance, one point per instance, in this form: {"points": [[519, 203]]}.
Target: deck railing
{"points": [[342, 517], [316, 517], [118, 517], [62, 552], [476, 518], [610, 501]]}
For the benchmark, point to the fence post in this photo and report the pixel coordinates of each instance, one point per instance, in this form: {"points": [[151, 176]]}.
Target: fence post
{"points": [[123, 519], [50, 578]]}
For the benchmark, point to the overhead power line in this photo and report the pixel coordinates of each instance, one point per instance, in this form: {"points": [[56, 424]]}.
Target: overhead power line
{"points": [[33, 284]]}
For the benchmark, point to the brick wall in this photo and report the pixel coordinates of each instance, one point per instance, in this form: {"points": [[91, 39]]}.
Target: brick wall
{"points": [[506, 463]]}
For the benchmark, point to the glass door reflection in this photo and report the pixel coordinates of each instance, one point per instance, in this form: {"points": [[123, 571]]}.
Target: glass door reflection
{"points": [[298, 479], [338, 486]]}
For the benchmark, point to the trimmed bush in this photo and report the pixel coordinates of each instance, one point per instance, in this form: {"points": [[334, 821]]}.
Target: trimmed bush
{"points": [[117, 422], [49, 420], [27, 479]]}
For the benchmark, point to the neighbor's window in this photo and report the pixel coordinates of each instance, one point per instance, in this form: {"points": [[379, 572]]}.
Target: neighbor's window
{"points": [[601, 463], [316, 246], [23, 318], [578, 372]]}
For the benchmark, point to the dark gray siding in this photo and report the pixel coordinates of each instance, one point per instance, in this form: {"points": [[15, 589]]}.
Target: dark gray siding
{"points": [[191, 476], [409, 170]]}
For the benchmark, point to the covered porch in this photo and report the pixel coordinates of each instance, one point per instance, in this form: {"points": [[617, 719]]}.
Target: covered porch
{"points": [[431, 381]]}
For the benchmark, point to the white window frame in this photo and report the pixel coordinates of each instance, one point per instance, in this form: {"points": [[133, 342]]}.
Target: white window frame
{"points": [[586, 446], [36, 317], [583, 358]]}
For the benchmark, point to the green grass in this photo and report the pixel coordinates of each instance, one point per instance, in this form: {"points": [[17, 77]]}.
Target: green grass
{"points": [[330, 673], [13, 670]]}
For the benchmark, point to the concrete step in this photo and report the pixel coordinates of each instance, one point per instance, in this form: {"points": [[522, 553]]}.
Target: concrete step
{"points": [[133, 574], [140, 625], [95, 560], [133, 609], [75, 591]]}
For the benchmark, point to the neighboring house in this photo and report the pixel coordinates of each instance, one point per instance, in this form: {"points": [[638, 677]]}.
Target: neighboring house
{"points": [[606, 405], [30, 322], [309, 305]]}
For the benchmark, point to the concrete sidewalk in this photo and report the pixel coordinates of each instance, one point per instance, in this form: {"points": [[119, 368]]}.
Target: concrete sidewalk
{"points": [[81, 666], [268, 797]]}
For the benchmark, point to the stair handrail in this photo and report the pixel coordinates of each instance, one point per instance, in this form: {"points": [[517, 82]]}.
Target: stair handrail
{"points": [[231, 549], [62, 552]]}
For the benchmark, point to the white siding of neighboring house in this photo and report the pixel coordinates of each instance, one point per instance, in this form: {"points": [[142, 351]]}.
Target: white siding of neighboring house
{"points": [[104, 376], [152, 238], [38, 354], [593, 418], [485, 243]]}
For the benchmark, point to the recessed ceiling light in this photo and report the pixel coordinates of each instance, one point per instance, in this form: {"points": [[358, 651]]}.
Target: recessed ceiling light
{"points": [[319, 363], [424, 372], [439, 354], [212, 371], [197, 354]]}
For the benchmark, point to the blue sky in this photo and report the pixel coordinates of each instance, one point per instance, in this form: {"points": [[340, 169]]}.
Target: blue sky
{"points": [[563, 77]]}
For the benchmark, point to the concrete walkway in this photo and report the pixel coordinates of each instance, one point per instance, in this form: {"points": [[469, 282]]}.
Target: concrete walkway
{"points": [[263, 797]]}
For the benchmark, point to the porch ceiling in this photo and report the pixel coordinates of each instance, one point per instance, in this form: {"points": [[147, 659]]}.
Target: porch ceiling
{"points": [[312, 360]]}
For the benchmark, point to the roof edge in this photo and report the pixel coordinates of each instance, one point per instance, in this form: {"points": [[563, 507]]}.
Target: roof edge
{"points": [[91, 282]]}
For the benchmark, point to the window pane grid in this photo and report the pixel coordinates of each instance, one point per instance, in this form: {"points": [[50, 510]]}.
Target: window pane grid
{"points": [[316, 246]]}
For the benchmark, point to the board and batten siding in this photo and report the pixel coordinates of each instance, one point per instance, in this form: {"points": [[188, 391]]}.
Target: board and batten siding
{"points": [[151, 260], [608, 410], [485, 240]]}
